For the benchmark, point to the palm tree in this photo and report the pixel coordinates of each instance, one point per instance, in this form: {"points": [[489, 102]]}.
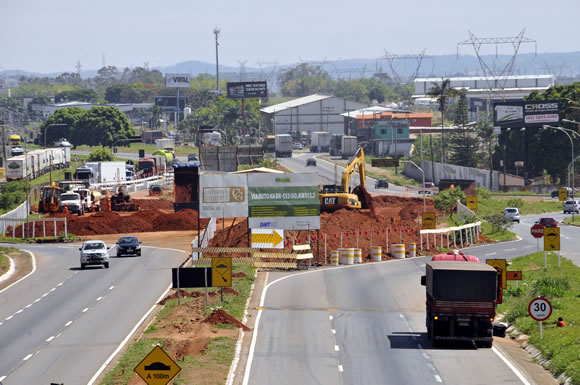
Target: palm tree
{"points": [[443, 92]]}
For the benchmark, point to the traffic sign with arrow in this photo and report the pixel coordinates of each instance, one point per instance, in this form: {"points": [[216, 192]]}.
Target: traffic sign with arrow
{"points": [[429, 221], [267, 238]]}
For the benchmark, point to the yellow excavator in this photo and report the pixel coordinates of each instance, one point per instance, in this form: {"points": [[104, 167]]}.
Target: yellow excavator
{"points": [[334, 197], [49, 198]]}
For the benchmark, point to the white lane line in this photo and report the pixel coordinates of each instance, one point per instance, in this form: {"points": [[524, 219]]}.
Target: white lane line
{"points": [[438, 379], [9, 318], [565, 237], [340, 368], [19, 311], [44, 295], [85, 309], [100, 298], [38, 299], [336, 348], [27, 306], [509, 364], [425, 355], [2, 378], [60, 284], [430, 366], [509, 249], [53, 289], [50, 339], [1, 323], [527, 247], [68, 323], [26, 276], [330, 317], [112, 287], [27, 357], [333, 331], [420, 346], [494, 253]]}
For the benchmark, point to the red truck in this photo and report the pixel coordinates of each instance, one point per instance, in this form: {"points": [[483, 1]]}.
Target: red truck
{"points": [[461, 301]]}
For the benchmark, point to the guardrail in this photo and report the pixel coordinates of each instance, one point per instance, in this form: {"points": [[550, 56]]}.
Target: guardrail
{"points": [[26, 224], [471, 231]]}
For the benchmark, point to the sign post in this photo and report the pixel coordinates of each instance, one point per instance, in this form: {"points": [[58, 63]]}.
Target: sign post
{"points": [[471, 201], [551, 243], [540, 309], [157, 368]]}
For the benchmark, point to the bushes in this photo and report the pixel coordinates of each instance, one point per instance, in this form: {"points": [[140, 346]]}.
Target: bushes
{"points": [[100, 155], [549, 286], [12, 194], [515, 202], [498, 222]]}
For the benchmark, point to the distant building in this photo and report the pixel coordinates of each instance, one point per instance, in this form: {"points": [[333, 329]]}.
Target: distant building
{"points": [[311, 113], [48, 109]]}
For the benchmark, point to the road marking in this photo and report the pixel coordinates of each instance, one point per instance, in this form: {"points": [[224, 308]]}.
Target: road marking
{"points": [[50, 339], [438, 379], [85, 309], [333, 331], [53, 289], [27, 306], [420, 346], [9, 318], [425, 356], [112, 287], [565, 237], [509, 249], [100, 298], [494, 253], [330, 317], [430, 366], [44, 295], [340, 368], [38, 299], [60, 284], [336, 348], [509, 364], [2, 378], [27, 357], [19, 311], [527, 247], [68, 323]]}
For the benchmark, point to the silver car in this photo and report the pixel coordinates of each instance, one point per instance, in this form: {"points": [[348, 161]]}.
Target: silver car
{"points": [[512, 213], [94, 253], [571, 206]]}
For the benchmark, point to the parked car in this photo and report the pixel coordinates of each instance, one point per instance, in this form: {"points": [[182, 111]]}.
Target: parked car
{"points": [[310, 162], [381, 183], [571, 206], [297, 146], [547, 222], [94, 253], [512, 213], [128, 245]]}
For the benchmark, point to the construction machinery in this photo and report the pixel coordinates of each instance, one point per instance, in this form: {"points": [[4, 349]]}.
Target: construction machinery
{"points": [[334, 197], [49, 198], [121, 201]]}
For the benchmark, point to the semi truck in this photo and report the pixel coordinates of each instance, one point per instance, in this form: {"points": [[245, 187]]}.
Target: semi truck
{"points": [[320, 141], [349, 146], [101, 172], [283, 145], [270, 143], [461, 301], [335, 144]]}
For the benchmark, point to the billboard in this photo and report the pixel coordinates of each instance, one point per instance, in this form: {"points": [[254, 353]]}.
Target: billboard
{"points": [[245, 90], [518, 114], [169, 103], [177, 80], [283, 201], [223, 196]]}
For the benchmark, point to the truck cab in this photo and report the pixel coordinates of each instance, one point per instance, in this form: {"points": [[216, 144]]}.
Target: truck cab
{"points": [[73, 202]]}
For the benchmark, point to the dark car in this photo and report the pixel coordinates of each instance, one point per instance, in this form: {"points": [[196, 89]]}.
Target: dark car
{"points": [[556, 193], [310, 162], [548, 222], [381, 183], [192, 157], [128, 245]]}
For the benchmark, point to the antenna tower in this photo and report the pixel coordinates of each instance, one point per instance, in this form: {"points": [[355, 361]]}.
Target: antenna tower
{"points": [[397, 76]]}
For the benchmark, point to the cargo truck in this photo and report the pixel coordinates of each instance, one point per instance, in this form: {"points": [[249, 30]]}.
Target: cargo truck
{"points": [[269, 144], [283, 145], [461, 301], [335, 144], [320, 141], [101, 172], [349, 146]]}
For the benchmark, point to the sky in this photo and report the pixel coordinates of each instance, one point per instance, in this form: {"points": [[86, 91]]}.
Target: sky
{"points": [[46, 37]]}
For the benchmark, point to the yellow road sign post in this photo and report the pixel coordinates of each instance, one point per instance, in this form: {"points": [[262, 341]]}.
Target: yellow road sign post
{"points": [[221, 272], [471, 202], [500, 264], [562, 194], [157, 368], [551, 243], [429, 221]]}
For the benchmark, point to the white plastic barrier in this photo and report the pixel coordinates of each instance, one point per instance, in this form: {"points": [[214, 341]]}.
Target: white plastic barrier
{"points": [[334, 257], [357, 255], [412, 249], [376, 253], [398, 250], [348, 256], [471, 230]]}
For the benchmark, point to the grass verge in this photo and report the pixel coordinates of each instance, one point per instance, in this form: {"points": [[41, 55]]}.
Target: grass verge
{"points": [[561, 286], [526, 206], [487, 230], [220, 352]]}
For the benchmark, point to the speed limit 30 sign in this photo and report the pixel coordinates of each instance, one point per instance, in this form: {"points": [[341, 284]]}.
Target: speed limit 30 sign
{"points": [[540, 309]]}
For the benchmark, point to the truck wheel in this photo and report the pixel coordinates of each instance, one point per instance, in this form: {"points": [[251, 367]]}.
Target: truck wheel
{"points": [[107, 265], [83, 266]]}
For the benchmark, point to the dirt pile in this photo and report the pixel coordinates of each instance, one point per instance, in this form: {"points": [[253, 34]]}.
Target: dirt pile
{"points": [[218, 316], [182, 294]]}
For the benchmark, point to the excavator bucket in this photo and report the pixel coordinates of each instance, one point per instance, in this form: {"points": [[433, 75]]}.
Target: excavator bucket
{"points": [[363, 196]]}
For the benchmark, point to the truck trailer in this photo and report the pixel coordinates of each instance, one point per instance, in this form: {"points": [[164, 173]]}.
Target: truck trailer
{"points": [[349, 146], [283, 145], [461, 301], [320, 141]]}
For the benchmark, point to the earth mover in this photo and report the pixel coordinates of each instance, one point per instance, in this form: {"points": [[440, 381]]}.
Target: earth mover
{"points": [[121, 201], [50, 198], [335, 197]]}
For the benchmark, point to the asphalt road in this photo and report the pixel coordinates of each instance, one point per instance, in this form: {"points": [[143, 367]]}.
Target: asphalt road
{"points": [[61, 324], [359, 325]]}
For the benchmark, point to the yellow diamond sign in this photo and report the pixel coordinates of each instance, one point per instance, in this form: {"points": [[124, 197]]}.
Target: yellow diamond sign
{"points": [[471, 202], [551, 238], [221, 272], [502, 265], [157, 368]]}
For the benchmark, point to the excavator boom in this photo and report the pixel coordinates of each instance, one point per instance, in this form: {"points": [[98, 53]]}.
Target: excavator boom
{"points": [[334, 197]]}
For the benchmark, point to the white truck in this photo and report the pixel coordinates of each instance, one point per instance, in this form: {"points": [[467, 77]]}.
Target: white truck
{"points": [[165, 144], [102, 172], [212, 138], [73, 202], [91, 200], [283, 145], [16, 168], [320, 141], [349, 146]]}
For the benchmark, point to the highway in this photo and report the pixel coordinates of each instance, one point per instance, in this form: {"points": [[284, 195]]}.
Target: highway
{"points": [[363, 324], [61, 323]]}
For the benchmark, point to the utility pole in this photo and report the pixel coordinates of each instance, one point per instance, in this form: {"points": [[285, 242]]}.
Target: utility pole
{"points": [[216, 32]]}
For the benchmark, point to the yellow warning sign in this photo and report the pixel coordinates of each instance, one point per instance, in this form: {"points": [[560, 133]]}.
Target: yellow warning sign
{"points": [[471, 202], [221, 272], [268, 238], [429, 221], [551, 238], [500, 264], [562, 194], [157, 368]]}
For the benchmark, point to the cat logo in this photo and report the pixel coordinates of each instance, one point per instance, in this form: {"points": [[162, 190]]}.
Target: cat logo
{"points": [[330, 201]]}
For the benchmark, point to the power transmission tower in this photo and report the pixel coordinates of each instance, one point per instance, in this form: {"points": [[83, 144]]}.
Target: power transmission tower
{"points": [[489, 72], [78, 67], [397, 76]]}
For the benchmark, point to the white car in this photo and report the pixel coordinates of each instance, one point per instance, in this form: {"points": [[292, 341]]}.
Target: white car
{"points": [[297, 146], [571, 206], [512, 213], [94, 253]]}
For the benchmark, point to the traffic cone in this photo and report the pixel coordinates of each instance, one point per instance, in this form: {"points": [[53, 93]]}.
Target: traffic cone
{"points": [[65, 209]]}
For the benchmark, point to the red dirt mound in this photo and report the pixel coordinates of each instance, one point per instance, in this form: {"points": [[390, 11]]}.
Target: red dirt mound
{"points": [[221, 317], [182, 293], [239, 275]]}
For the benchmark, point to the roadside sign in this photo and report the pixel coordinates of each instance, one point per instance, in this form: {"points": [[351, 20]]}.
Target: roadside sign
{"points": [[471, 202], [267, 239], [551, 238], [157, 368], [514, 275], [500, 264], [537, 230], [221, 272], [562, 194], [540, 309], [384, 162], [429, 221]]}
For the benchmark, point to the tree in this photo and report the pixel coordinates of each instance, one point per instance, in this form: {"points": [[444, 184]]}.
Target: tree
{"points": [[463, 145], [445, 200], [100, 155], [76, 94], [443, 92], [302, 80], [102, 126], [70, 117]]}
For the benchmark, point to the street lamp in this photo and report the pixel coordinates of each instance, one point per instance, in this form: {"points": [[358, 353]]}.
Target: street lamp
{"points": [[570, 168], [423, 174]]}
